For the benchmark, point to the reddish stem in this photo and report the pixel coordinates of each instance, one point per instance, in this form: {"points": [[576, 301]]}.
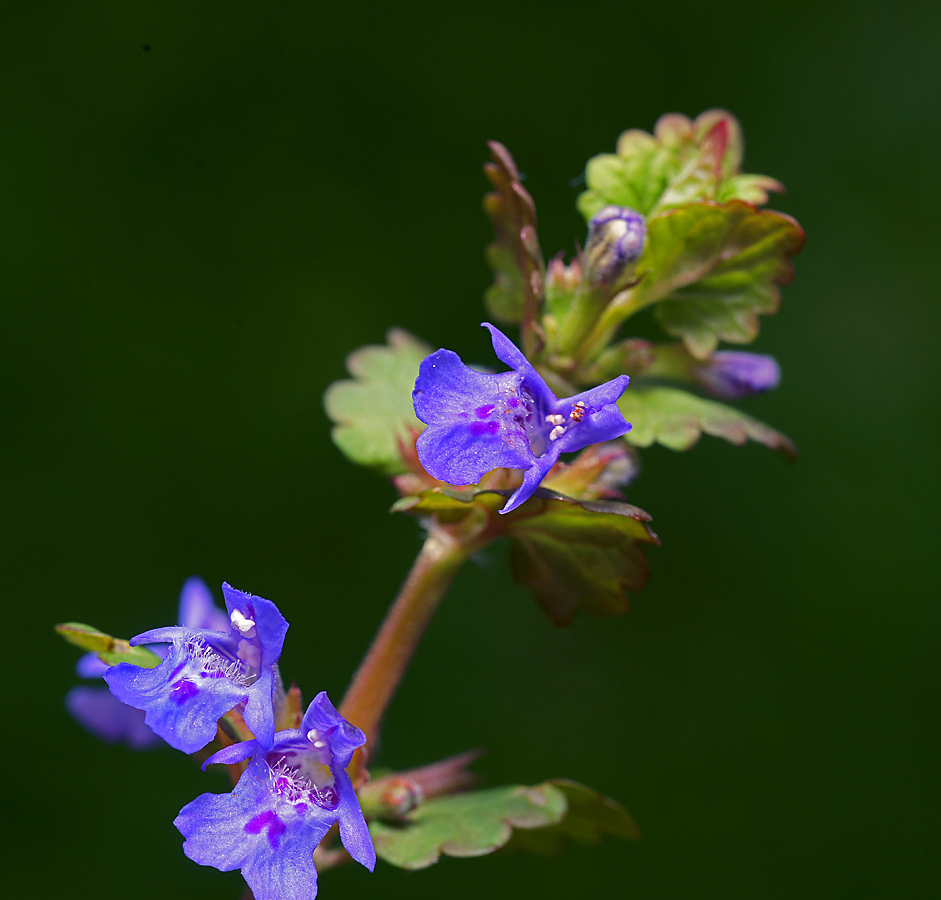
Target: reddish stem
{"points": [[381, 670]]}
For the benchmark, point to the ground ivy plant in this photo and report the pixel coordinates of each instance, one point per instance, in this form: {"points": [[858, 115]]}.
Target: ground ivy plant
{"points": [[537, 452]]}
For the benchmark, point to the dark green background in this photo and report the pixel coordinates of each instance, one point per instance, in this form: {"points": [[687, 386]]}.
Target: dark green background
{"points": [[196, 234]]}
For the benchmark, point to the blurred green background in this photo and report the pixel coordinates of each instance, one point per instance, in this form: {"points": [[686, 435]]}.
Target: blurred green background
{"points": [[206, 206]]}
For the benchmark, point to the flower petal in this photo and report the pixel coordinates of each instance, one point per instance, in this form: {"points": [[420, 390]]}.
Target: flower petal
{"points": [[469, 432], [604, 394], [249, 829], [181, 700], [344, 739], [506, 351], [533, 477], [198, 609], [270, 625], [259, 711], [354, 833], [446, 390], [166, 635], [99, 712], [606, 424], [235, 753], [91, 666]]}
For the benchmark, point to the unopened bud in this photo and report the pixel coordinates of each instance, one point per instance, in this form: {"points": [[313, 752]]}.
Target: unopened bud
{"points": [[616, 237], [732, 374]]}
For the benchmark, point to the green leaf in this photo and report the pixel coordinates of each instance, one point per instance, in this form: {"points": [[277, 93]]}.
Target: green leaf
{"points": [[449, 504], [514, 256], [676, 419], [472, 824], [712, 268], [575, 555], [682, 162], [374, 411], [589, 817], [570, 553], [730, 278], [110, 650]]}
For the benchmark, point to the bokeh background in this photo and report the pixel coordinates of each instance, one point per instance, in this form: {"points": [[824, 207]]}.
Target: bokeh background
{"points": [[206, 206]]}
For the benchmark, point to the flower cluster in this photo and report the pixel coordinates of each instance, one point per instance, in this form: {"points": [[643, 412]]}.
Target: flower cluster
{"points": [[295, 786], [706, 261]]}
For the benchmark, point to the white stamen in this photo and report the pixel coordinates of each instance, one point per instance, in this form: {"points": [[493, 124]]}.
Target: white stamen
{"points": [[242, 623], [556, 432], [555, 419]]}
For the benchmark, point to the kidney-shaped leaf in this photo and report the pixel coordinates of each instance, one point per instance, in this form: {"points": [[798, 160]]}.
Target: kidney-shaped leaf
{"points": [[712, 269], [589, 817], [579, 555], [373, 412], [472, 824], [676, 419], [683, 161]]}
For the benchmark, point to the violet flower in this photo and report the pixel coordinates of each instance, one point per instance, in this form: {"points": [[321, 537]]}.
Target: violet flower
{"points": [[206, 672], [478, 422], [283, 805], [99, 712], [732, 374]]}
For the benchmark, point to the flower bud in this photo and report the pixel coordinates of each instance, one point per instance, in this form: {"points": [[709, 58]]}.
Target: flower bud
{"points": [[616, 237], [732, 374]]}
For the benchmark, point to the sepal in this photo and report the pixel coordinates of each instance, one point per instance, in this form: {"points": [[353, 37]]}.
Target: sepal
{"points": [[110, 650]]}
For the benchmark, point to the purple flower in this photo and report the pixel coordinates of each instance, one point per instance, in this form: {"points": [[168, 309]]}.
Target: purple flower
{"points": [[479, 422], [283, 805], [731, 374], [99, 712], [198, 609], [616, 236], [206, 672]]}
